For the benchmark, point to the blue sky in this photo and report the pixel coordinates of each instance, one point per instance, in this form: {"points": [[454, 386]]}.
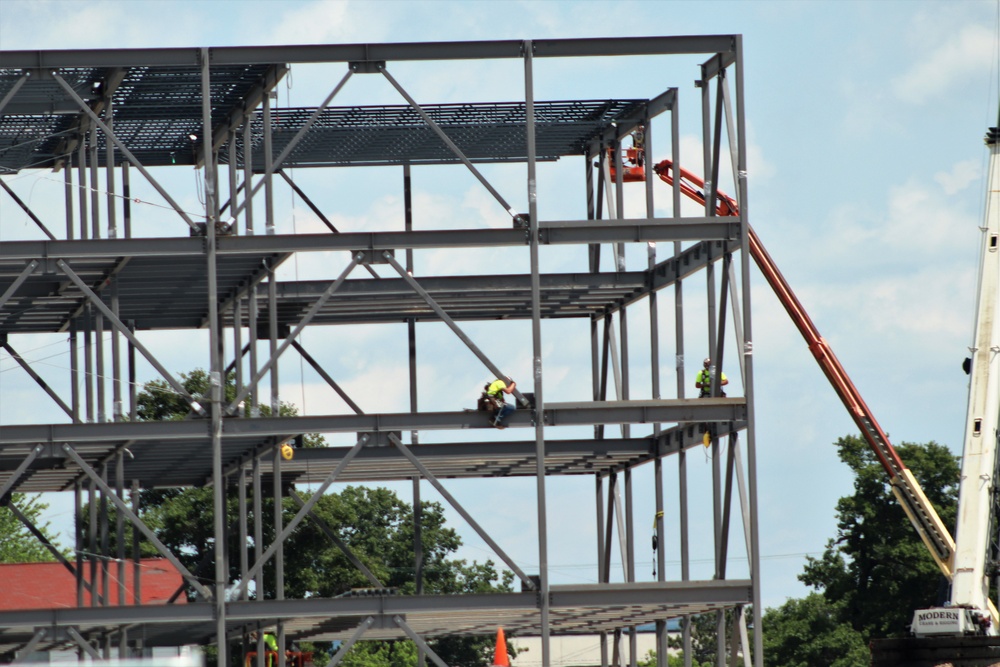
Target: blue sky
{"points": [[866, 184]]}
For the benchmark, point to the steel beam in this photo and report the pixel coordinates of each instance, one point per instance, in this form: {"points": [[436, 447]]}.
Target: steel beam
{"points": [[369, 52]]}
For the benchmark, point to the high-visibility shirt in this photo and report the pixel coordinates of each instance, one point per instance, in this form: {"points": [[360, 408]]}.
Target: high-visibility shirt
{"points": [[496, 388], [270, 641], [704, 378]]}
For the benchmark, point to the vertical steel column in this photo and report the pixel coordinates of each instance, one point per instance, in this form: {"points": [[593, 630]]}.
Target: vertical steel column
{"points": [[234, 190], [105, 541], [747, 351], [81, 179], [244, 556], [238, 348], [247, 177], [74, 371], [536, 346], [602, 565], [92, 539], [126, 200], [258, 532], [216, 380], [120, 527], [136, 556], [99, 366], [252, 324], [272, 322], [116, 360], [78, 540], [109, 169], [95, 195], [269, 169], [68, 196], [133, 403], [675, 154], [88, 361], [279, 554], [633, 646], [411, 336]]}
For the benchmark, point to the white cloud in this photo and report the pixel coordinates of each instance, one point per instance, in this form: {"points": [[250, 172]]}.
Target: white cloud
{"points": [[963, 54], [319, 22], [962, 175]]}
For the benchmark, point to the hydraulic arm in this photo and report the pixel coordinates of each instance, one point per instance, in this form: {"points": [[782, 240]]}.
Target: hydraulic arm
{"points": [[918, 508]]}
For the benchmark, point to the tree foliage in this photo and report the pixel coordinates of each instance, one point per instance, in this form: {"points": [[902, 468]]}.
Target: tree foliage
{"points": [[812, 631], [876, 569], [17, 544]]}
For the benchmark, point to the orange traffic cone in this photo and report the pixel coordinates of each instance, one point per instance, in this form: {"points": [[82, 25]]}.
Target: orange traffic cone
{"points": [[500, 653]]}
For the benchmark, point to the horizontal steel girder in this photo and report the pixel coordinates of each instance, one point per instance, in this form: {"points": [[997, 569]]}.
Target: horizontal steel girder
{"points": [[566, 597], [511, 48], [552, 232], [555, 414]]}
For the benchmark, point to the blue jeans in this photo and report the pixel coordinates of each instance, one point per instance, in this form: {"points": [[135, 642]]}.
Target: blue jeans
{"points": [[505, 410]]}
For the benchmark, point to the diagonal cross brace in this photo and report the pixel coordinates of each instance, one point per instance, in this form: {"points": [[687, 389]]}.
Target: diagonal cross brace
{"points": [[303, 511], [84, 644], [124, 149], [29, 648], [429, 476], [124, 330], [306, 319], [346, 646], [418, 640], [9, 292], [450, 322], [276, 164], [21, 469], [24, 207], [36, 377], [325, 527], [136, 521], [450, 144], [13, 90]]}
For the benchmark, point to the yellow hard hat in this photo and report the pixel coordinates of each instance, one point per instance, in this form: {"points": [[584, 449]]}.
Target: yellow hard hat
{"points": [[287, 452]]}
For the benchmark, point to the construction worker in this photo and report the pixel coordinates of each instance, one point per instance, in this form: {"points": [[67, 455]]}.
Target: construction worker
{"points": [[496, 391], [703, 380], [270, 647]]}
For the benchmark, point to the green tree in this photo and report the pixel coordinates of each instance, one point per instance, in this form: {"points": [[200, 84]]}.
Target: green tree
{"points": [[877, 571], [18, 544], [812, 631]]}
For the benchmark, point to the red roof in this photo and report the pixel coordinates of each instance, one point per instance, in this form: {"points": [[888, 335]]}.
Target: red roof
{"points": [[51, 585]]}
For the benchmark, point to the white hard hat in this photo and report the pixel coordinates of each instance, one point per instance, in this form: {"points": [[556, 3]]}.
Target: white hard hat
{"points": [[708, 361]]}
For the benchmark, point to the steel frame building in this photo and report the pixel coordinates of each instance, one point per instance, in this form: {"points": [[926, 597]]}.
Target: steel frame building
{"points": [[105, 117]]}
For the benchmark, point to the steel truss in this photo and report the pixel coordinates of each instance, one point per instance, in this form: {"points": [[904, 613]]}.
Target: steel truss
{"points": [[100, 115]]}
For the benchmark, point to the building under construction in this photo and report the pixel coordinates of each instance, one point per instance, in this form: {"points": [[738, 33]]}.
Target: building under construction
{"points": [[215, 268]]}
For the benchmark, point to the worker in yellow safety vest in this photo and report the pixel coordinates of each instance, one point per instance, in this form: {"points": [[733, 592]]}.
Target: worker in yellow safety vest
{"points": [[703, 380], [270, 646], [496, 391]]}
